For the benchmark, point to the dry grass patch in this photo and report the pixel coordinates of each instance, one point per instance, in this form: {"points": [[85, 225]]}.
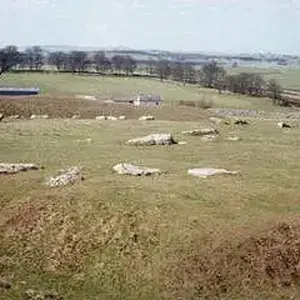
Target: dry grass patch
{"points": [[66, 107], [241, 261]]}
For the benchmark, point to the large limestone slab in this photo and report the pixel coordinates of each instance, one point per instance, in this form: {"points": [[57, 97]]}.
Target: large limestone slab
{"points": [[13, 168], [233, 138], [39, 117], [100, 118], [129, 169], [283, 125], [205, 172], [111, 118], [201, 132], [147, 118], [152, 139], [209, 138], [66, 177]]}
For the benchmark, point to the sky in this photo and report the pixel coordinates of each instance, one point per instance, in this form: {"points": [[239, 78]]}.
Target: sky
{"points": [[231, 26]]}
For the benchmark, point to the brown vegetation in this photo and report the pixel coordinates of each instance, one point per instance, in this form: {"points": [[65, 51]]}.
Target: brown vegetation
{"points": [[249, 262], [66, 107]]}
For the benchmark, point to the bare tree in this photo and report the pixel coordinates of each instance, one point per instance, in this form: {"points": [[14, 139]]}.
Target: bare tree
{"points": [[34, 57], [129, 64], [117, 63], [78, 61], [275, 91], [211, 74], [102, 63], [189, 73], [58, 59], [163, 69], [177, 71], [9, 57]]}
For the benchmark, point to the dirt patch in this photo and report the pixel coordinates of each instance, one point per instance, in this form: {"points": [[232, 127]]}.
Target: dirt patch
{"points": [[66, 107], [249, 261]]}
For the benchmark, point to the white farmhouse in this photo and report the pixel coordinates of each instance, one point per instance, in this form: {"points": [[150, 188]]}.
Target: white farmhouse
{"points": [[149, 100]]}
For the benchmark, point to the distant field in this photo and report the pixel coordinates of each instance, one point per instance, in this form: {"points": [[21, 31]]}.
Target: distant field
{"points": [[166, 237], [289, 78], [128, 88]]}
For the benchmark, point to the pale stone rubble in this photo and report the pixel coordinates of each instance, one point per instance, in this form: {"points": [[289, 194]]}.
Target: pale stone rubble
{"points": [[13, 168], [34, 117], [147, 118], [66, 177], [129, 169], [100, 118], [111, 118], [233, 138], [201, 132], [283, 125], [205, 172], [209, 138], [153, 139]]}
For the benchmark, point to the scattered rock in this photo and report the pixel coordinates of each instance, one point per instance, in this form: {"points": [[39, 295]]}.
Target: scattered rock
{"points": [[88, 140], [52, 295], [76, 117], [8, 168], [109, 102], [205, 172], [201, 132], [147, 118], [241, 122], [182, 143], [122, 118], [283, 125], [208, 138], [101, 118], [216, 120], [86, 97], [66, 177], [4, 284], [34, 117], [13, 117], [153, 139], [128, 169], [1, 117], [111, 118], [233, 138], [38, 295]]}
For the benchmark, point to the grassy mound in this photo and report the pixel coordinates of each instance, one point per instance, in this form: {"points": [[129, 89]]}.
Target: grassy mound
{"points": [[245, 262]]}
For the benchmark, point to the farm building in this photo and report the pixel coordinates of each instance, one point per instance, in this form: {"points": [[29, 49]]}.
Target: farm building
{"points": [[13, 91], [151, 100]]}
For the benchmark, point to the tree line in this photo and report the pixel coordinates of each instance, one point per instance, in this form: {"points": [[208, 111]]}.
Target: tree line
{"points": [[211, 75]]}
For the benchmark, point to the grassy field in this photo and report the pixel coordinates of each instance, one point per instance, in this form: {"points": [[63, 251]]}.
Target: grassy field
{"points": [[120, 88], [167, 237], [289, 78]]}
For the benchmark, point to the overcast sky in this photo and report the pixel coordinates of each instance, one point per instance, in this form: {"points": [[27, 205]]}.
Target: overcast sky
{"points": [[186, 25]]}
